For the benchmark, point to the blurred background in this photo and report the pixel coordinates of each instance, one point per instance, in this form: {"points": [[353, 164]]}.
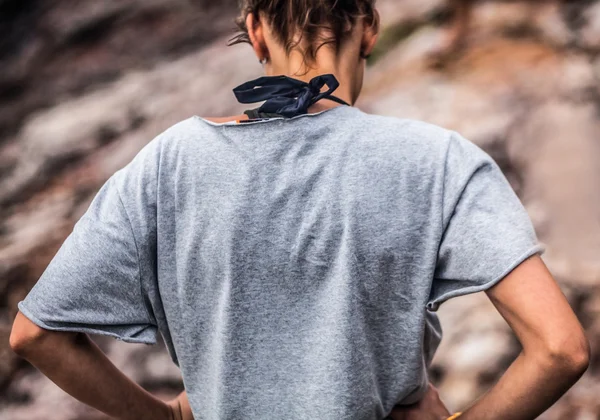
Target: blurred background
{"points": [[84, 85]]}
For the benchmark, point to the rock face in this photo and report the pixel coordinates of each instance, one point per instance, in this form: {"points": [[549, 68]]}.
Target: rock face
{"points": [[86, 84]]}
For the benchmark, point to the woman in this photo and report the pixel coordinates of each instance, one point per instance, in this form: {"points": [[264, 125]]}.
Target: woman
{"points": [[293, 257]]}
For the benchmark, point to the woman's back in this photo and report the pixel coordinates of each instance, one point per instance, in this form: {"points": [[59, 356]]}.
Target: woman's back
{"points": [[304, 251]]}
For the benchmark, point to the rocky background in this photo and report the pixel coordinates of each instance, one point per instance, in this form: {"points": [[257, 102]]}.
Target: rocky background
{"points": [[85, 84]]}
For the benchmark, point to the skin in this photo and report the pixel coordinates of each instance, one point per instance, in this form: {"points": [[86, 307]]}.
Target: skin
{"points": [[555, 351], [77, 365], [430, 407]]}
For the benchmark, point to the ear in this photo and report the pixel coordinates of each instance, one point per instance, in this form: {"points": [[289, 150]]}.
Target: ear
{"points": [[256, 35], [370, 34]]}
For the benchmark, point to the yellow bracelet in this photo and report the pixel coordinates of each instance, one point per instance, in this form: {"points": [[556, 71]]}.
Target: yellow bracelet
{"points": [[453, 416]]}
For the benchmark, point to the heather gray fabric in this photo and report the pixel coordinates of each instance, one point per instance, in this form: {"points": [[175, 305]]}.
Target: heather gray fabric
{"points": [[289, 264]]}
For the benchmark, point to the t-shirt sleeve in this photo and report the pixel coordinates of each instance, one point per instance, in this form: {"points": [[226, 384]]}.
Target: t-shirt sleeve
{"points": [[487, 231], [93, 283]]}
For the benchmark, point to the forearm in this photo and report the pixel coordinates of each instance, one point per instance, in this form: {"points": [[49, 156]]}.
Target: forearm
{"points": [[529, 386], [80, 368]]}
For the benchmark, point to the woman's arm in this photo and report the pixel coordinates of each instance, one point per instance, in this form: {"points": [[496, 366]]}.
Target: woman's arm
{"points": [[76, 364], [430, 407], [180, 407], [555, 351]]}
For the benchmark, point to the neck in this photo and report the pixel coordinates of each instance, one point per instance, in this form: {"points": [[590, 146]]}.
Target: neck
{"points": [[326, 63]]}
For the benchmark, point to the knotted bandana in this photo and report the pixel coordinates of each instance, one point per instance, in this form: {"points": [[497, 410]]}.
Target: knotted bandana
{"points": [[287, 96]]}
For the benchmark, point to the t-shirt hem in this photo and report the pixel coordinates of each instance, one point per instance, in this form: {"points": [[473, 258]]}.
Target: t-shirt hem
{"points": [[434, 305], [25, 311]]}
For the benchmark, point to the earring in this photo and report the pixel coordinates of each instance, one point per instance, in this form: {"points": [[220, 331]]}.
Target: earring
{"points": [[362, 55], [263, 61]]}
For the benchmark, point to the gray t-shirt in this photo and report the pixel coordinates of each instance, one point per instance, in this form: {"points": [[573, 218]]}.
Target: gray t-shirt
{"points": [[292, 266]]}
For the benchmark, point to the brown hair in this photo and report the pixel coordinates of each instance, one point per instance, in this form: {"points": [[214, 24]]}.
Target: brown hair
{"points": [[310, 18]]}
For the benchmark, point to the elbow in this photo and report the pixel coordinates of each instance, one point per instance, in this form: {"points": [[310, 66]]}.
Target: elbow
{"points": [[22, 344], [572, 355], [25, 336]]}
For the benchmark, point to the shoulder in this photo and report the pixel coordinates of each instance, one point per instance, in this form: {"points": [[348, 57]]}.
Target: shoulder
{"points": [[143, 169], [182, 129], [450, 145], [407, 136], [168, 143], [401, 128]]}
